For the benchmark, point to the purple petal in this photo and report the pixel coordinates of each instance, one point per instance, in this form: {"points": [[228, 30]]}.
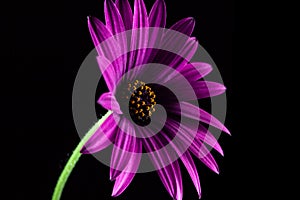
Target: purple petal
{"points": [[171, 178], [196, 71], [185, 26], [108, 72], [200, 89], [186, 54], [113, 17], [115, 24], [132, 161], [140, 17], [99, 32], [204, 89], [103, 137], [109, 102], [205, 136], [201, 152], [140, 34], [189, 164], [157, 18], [172, 35], [122, 182], [186, 49], [110, 49], [158, 14], [126, 13], [177, 144], [180, 52], [195, 146], [126, 152], [188, 110], [192, 71], [169, 175], [190, 132]]}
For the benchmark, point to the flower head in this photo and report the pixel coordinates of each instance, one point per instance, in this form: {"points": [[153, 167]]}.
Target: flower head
{"points": [[150, 92]]}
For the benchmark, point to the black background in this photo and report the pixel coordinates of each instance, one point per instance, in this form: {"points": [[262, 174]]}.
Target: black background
{"points": [[45, 44]]}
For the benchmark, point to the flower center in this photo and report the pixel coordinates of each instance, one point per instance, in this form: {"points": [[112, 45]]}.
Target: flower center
{"points": [[141, 102]]}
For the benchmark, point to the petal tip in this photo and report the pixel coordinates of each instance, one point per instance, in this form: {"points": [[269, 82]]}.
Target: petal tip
{"points": [[84, 150], [162, 2], [89, 18], [112, 177], [215, 169], [192, 20], [117, 191], [226, 131], [114, 193], [199, 195], [222, 153]]}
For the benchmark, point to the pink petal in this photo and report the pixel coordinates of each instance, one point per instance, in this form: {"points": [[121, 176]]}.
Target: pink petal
{"points": [[189, 133], [126, 152], [110, 49], [107, 47], [157, 18], [185, 26], [126, 176], [140, 36], [158, 14], [187, 110], [184, 154], [114, 23], [204, 89], [195, 146], [192, 72], [103, 137], [200, 89], [179, 53], [205, 136], [108, 71], [113, 17], [169, 175], [98, 30], [201, 152], [171, 178], [140, 17], [186, 54], [126, 13], [186, 48], [122, 182], [109, 102], [196, 71], [189, 164]]}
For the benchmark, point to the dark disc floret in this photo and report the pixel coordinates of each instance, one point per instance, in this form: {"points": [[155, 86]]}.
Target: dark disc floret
{"points": [[141, 102]]}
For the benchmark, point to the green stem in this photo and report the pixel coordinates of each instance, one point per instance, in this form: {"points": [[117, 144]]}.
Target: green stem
{"points": [[74, 158]]}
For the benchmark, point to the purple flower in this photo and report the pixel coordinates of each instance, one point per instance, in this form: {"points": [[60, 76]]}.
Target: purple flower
{"points": [[135, 103]]}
